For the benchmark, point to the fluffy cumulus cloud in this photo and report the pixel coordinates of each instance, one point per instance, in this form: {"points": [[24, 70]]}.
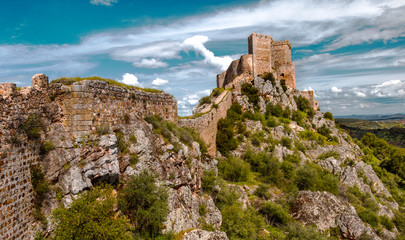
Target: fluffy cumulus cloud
{"points": [[336, 89], [103, 2], [159, 82], [150, 63], [130, 79], [197, 43]]}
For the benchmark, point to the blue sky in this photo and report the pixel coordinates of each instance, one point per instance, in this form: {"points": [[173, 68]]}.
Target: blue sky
{"points": [[351, 52]]}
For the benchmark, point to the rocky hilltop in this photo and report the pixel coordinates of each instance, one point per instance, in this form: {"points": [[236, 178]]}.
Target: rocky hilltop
{"points": [[256, 160]]}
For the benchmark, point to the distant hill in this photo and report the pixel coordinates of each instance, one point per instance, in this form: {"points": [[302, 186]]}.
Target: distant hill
{"points": [[391, 128], [378, 117]]}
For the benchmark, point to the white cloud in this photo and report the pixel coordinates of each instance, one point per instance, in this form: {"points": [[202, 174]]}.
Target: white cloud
{"points": [[130, 79], [158, 82], [336, 89], [360, 94], [103, 2], [150, 63], [197, 43]]}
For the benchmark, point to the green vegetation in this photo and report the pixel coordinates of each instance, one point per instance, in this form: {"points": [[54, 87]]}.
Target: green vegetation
{"points": [[71, 80], [226, 130], [33, 126], [204, 100], [329, 154], [46, 147], [40, 187], [122, 145], [268, 76], [216, 92], [304, 106], [234, 169], [209, 180], [91, 216], [312, 177], [145, 204], [392, 131], [283, 85], [275, 214], [103, 129], [166, 129], [251, 92], [328, 115]]}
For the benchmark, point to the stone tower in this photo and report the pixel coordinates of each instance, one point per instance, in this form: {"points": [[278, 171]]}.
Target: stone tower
{"points": [[260, 46]]}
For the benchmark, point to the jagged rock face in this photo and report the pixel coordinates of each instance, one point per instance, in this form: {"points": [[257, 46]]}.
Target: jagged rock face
{"points": [[325, 211], [205, 235]]}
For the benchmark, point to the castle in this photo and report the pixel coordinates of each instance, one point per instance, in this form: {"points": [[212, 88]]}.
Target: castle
{"points": [[78, 109], [265, 55]]}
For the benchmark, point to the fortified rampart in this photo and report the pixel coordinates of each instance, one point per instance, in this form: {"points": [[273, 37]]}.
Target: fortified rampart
{"points": [[206, 124], [79, 109]]}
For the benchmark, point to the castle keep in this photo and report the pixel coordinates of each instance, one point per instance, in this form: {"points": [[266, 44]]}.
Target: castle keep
{"points": [[265, 55]]}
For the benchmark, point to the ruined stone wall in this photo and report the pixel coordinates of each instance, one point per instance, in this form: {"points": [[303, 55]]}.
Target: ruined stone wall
{"points": [[206, 124], [260, 46], [79, 108], [88, 104], [242, 66], [310, 96]]}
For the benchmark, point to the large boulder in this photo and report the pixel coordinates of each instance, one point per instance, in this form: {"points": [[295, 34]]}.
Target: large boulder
{"points": [[325, 210], [199, 234]]}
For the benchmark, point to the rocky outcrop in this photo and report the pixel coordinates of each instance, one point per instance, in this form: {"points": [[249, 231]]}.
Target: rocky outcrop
{"points": [[325, 211], [205, 235]]}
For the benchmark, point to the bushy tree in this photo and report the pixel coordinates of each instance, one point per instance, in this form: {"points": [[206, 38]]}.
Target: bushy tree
{"points": [[145, 203], [91, 216]]}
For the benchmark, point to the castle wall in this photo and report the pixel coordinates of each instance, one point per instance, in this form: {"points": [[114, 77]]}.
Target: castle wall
{"points": [[310, 96], [206, 124], [260, 46], [79, 109], [242, 66]]}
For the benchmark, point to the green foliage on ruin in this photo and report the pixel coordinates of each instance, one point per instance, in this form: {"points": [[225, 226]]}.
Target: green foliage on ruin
{"points": [[251, 92], [71, 80], [166, 129], [304, 106], [216, 92], [328, 115], [268, 76], [91, 216], [204, 100], [41, 187], [46, 147], [226, 130], [145, 204], [32, 126]]}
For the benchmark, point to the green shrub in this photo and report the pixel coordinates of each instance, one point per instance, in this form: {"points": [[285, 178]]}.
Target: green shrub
{"points": [[387, 223], [132, 138], [370, 217], [134, 159], [103, 129], [257, 138], [324, 130], [241, 224], [226, 197], [91, 216], [298, 231], [286, 142], [145, 203], [312, 177], [329, 154], [328, 115], [298, 116], [226, 126], [204, 100], [208, 180], [41, 187], [272, 122], [251, 92], [217, 91], [283, 86], [268, 76], [288, 169], [33, 126], [46, 147], [300, 146], [262, 191], [274, 110], [234, 169], [122, 145], [275, 214]]}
